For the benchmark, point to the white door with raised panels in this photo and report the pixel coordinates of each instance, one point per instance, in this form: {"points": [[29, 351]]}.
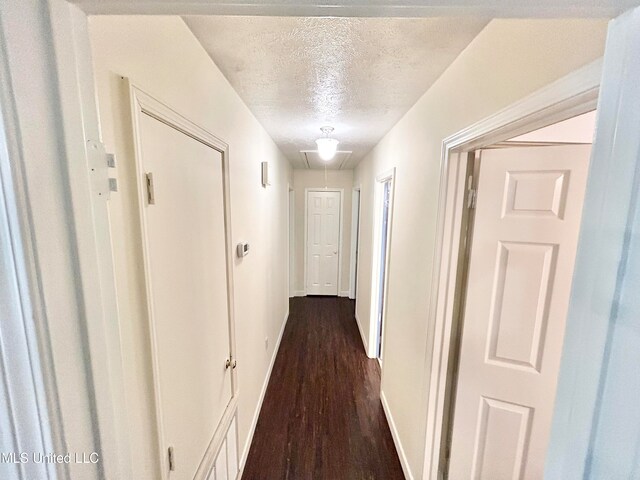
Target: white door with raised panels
{"points": [[523, 248], [323, 242]]}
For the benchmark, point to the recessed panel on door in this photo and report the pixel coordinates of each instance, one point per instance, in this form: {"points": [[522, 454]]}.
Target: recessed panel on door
{"points": [[519, 303], [501, 442], [524, 241]]}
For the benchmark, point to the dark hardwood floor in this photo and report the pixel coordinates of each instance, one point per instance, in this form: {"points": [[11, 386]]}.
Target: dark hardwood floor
{"points": [[322, 417]]}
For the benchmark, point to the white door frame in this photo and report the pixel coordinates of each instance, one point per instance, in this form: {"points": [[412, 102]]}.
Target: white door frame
{"points": [[388, 175], [48, 97], [291, 200], [144, 104], [306, 198], [355, 240], [569, 96]]}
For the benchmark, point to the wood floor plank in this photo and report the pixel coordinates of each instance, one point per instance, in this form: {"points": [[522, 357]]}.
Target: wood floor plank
{"points": [[322, 417]]}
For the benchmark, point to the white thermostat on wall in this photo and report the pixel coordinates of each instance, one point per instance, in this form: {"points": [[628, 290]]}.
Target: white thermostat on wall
{"points": [[243, 249]]}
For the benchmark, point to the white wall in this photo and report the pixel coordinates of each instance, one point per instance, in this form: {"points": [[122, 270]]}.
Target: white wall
{"points": [[508, 60], [316, 179], [162, 57]]}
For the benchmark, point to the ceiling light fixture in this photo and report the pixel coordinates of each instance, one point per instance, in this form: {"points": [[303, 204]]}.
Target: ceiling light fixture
{"points": [[327, 146]]}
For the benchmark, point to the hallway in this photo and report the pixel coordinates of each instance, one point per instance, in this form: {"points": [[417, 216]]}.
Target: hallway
{"points": [[322, 417], [305, 240]]}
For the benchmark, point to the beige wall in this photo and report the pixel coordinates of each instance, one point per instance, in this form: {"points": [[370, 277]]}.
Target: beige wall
{"points": [[508, 60], [161, 56], [303, 179]]}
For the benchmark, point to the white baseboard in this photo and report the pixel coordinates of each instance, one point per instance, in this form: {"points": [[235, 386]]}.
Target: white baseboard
{"points": [[364, 339], [396, 438], [254, 422], [344, 293], [299, 293]]}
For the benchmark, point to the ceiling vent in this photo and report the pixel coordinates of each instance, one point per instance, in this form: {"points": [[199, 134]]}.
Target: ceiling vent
{"points": [[311, 160]]}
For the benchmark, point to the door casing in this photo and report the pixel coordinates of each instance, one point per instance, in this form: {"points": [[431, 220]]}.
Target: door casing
{"points": [[291, 224], [569, 96], [144, 104], [340, 246], [376, 266], [355, 241]]}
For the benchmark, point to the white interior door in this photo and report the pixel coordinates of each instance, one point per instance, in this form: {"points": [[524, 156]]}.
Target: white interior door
{"points": [[323, 242], [525, 234], [186, 271]]}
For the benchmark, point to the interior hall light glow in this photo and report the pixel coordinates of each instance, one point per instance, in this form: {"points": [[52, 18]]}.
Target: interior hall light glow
{"points": [[327, 146]]}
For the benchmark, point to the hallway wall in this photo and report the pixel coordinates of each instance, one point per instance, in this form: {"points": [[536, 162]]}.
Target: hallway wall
{"points": [[316, 179], [508, 60], [161, 56]]}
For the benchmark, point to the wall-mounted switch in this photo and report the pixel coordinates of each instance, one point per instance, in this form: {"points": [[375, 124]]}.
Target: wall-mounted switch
{"points": [[242, 249], [265, 174]]}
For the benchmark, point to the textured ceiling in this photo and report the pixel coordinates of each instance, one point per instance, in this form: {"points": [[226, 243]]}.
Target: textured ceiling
{"points": [[359, 75]]}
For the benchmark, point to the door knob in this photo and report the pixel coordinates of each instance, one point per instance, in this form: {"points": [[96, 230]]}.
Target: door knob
{"points": [[335, 253]]}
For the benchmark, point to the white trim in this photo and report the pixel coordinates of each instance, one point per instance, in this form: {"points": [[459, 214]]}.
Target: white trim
{"points": [[344, 293], [144, 104], [64, 226], [355, 239], [299, 293], [571, 95], [291, 237], [340, 226], [89, 194], [380, 8], [362, 335], [24, 416], [256, 413], [406, 469], [388, 175]]}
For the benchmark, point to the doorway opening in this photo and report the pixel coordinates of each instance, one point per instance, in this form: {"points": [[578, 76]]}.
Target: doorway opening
{"points": [[382, 239], [519, 212], [292, 241], [355, 237], [568, 97]]}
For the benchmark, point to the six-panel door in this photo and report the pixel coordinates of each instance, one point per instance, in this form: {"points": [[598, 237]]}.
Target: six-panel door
{"points": [[323, 242], [523, 248]]}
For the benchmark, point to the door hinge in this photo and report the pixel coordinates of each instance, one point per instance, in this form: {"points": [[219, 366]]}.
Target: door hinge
{"points": [[99, 164], [151, 199], [472, 198], [111, 163], [172, 464]]}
